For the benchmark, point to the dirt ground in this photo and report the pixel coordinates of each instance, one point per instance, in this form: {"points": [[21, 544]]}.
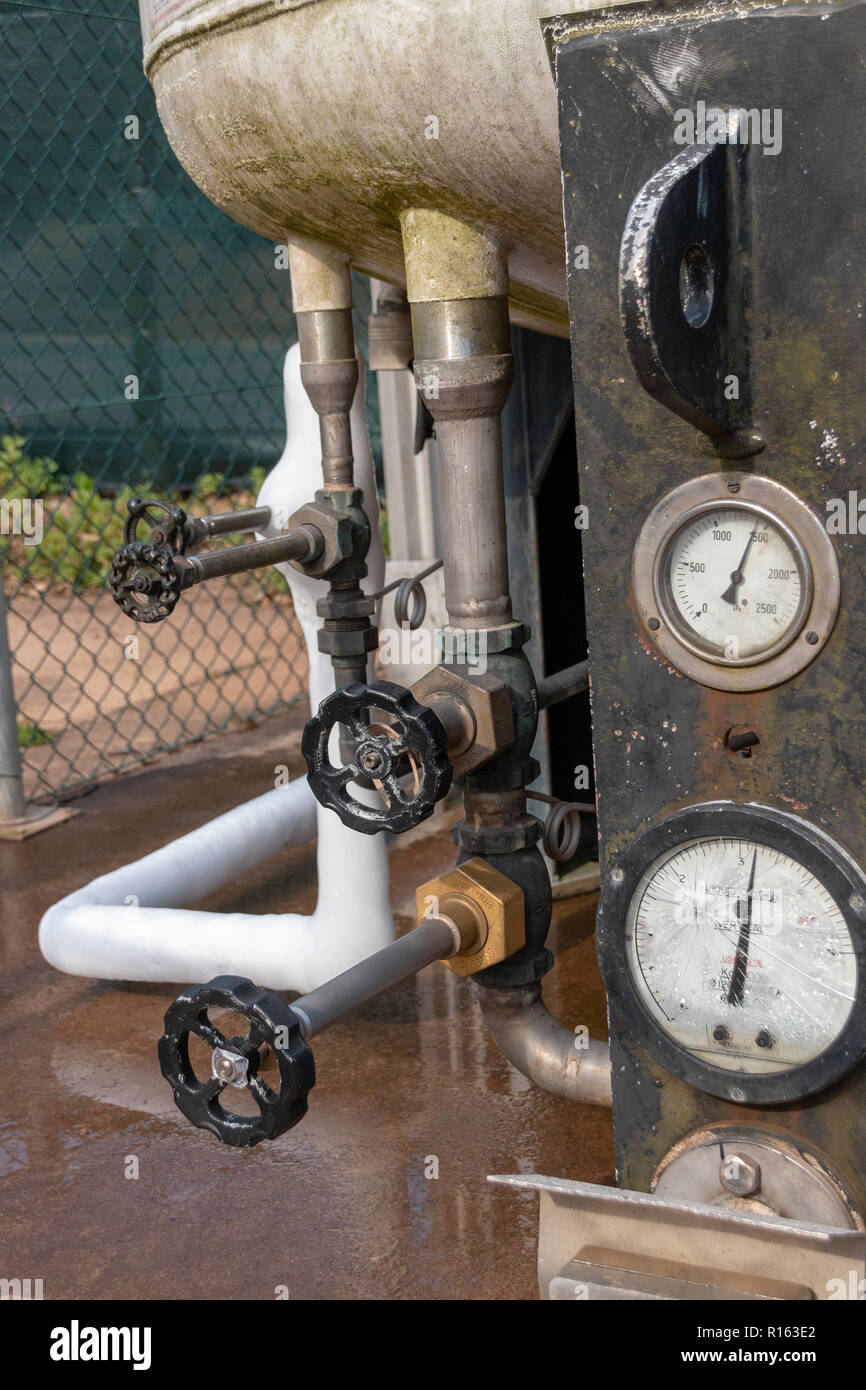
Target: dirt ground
{"points": [[340, 1206]]}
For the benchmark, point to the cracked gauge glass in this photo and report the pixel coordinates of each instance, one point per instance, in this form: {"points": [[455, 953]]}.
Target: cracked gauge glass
{"points": [[735, 584], [740, 955]]}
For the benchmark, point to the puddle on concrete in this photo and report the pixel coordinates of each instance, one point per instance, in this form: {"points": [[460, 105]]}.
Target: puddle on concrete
{"points": [[132, 1083], [347, 1204]]}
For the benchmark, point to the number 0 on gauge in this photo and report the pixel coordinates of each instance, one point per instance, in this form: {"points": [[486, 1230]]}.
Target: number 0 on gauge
{"points": [[736, 581]]}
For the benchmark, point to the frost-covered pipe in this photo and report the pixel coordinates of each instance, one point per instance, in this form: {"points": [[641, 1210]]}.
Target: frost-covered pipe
{"points": [[132, 924]]}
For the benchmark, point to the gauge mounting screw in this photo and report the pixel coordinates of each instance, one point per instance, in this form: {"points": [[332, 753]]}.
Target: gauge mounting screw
{"points": [[739, 1175]]}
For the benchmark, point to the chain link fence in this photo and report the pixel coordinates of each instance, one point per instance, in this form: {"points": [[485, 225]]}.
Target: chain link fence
{"points": [[142, 336]]}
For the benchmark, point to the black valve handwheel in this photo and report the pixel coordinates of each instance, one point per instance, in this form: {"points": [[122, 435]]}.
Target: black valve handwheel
{"points": [[404, 757], [145, 581], [271, 1022], [167, 524]]}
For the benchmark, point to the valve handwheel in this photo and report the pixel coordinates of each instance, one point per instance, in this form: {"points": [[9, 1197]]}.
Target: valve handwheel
{"points": [[235, 1061], [145, 581], [403, 754], [167, 526]]}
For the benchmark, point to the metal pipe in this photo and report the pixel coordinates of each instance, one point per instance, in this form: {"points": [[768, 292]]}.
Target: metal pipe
{"points": [[433, 939], [329, 371], [233, 523], [528, 1035], [463, 371], [303, 543], [552, 690], [472, 496], [457, 285], [11, 789]]}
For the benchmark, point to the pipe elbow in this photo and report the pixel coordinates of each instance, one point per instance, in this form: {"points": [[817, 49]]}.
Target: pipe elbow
{"points": [[528, 1035]]}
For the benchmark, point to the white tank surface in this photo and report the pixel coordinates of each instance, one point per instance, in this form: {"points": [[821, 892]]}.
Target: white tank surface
{"points": [[327, 118]]}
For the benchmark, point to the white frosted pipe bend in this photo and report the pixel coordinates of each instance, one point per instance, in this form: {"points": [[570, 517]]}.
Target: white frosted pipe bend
{"points": [[124, 925], [131, 924]]}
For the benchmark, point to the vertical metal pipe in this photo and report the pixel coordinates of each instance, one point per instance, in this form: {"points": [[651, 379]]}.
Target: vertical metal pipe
{"points": [[322, 301], [464, 370], [457, 286], [11, 788], [329, 372], [474, 547]]}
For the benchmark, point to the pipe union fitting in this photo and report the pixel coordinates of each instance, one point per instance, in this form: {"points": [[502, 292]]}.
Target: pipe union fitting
{"points": [[490, 897], [464, 388]]}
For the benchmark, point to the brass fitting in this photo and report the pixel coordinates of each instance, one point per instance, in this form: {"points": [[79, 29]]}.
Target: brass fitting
{"points": [[475, 710], [485, 907]]}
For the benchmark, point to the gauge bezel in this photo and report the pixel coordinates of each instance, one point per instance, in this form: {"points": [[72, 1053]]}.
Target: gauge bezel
{"points": [[816, 558], [833, 868], [664, 596]]}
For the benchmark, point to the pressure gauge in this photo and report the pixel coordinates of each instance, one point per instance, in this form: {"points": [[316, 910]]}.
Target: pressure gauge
{"points": [[733, 939], [736, 581]]}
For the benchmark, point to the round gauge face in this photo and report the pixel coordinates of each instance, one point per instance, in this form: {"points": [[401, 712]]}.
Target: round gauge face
{"points": [[740, 955], [734, 583]]}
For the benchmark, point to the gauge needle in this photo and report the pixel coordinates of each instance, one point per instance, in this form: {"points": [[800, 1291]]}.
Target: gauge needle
{"points": [[741, 958], [738, 575]]}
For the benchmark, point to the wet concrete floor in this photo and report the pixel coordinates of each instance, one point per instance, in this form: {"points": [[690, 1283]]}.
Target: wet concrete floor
{"points": [[340, 1207]]}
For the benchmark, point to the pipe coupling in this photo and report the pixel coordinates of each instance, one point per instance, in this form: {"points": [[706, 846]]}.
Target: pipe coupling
{"points": [[485, 906]]}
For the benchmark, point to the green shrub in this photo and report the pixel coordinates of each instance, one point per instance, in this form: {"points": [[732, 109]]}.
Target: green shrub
{"points": [[83, 528], [21, 476], [30, 734]]}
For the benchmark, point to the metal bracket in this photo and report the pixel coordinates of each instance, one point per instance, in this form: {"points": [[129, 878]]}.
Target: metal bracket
{"points": [[606, 1243], [685, 292]]}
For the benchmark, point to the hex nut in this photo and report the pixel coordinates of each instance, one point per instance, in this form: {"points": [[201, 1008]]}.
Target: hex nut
{"points": [[488, 700], [336, 533], [456, 641], [492, 898], [740, 1175], [229, 1067]]}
